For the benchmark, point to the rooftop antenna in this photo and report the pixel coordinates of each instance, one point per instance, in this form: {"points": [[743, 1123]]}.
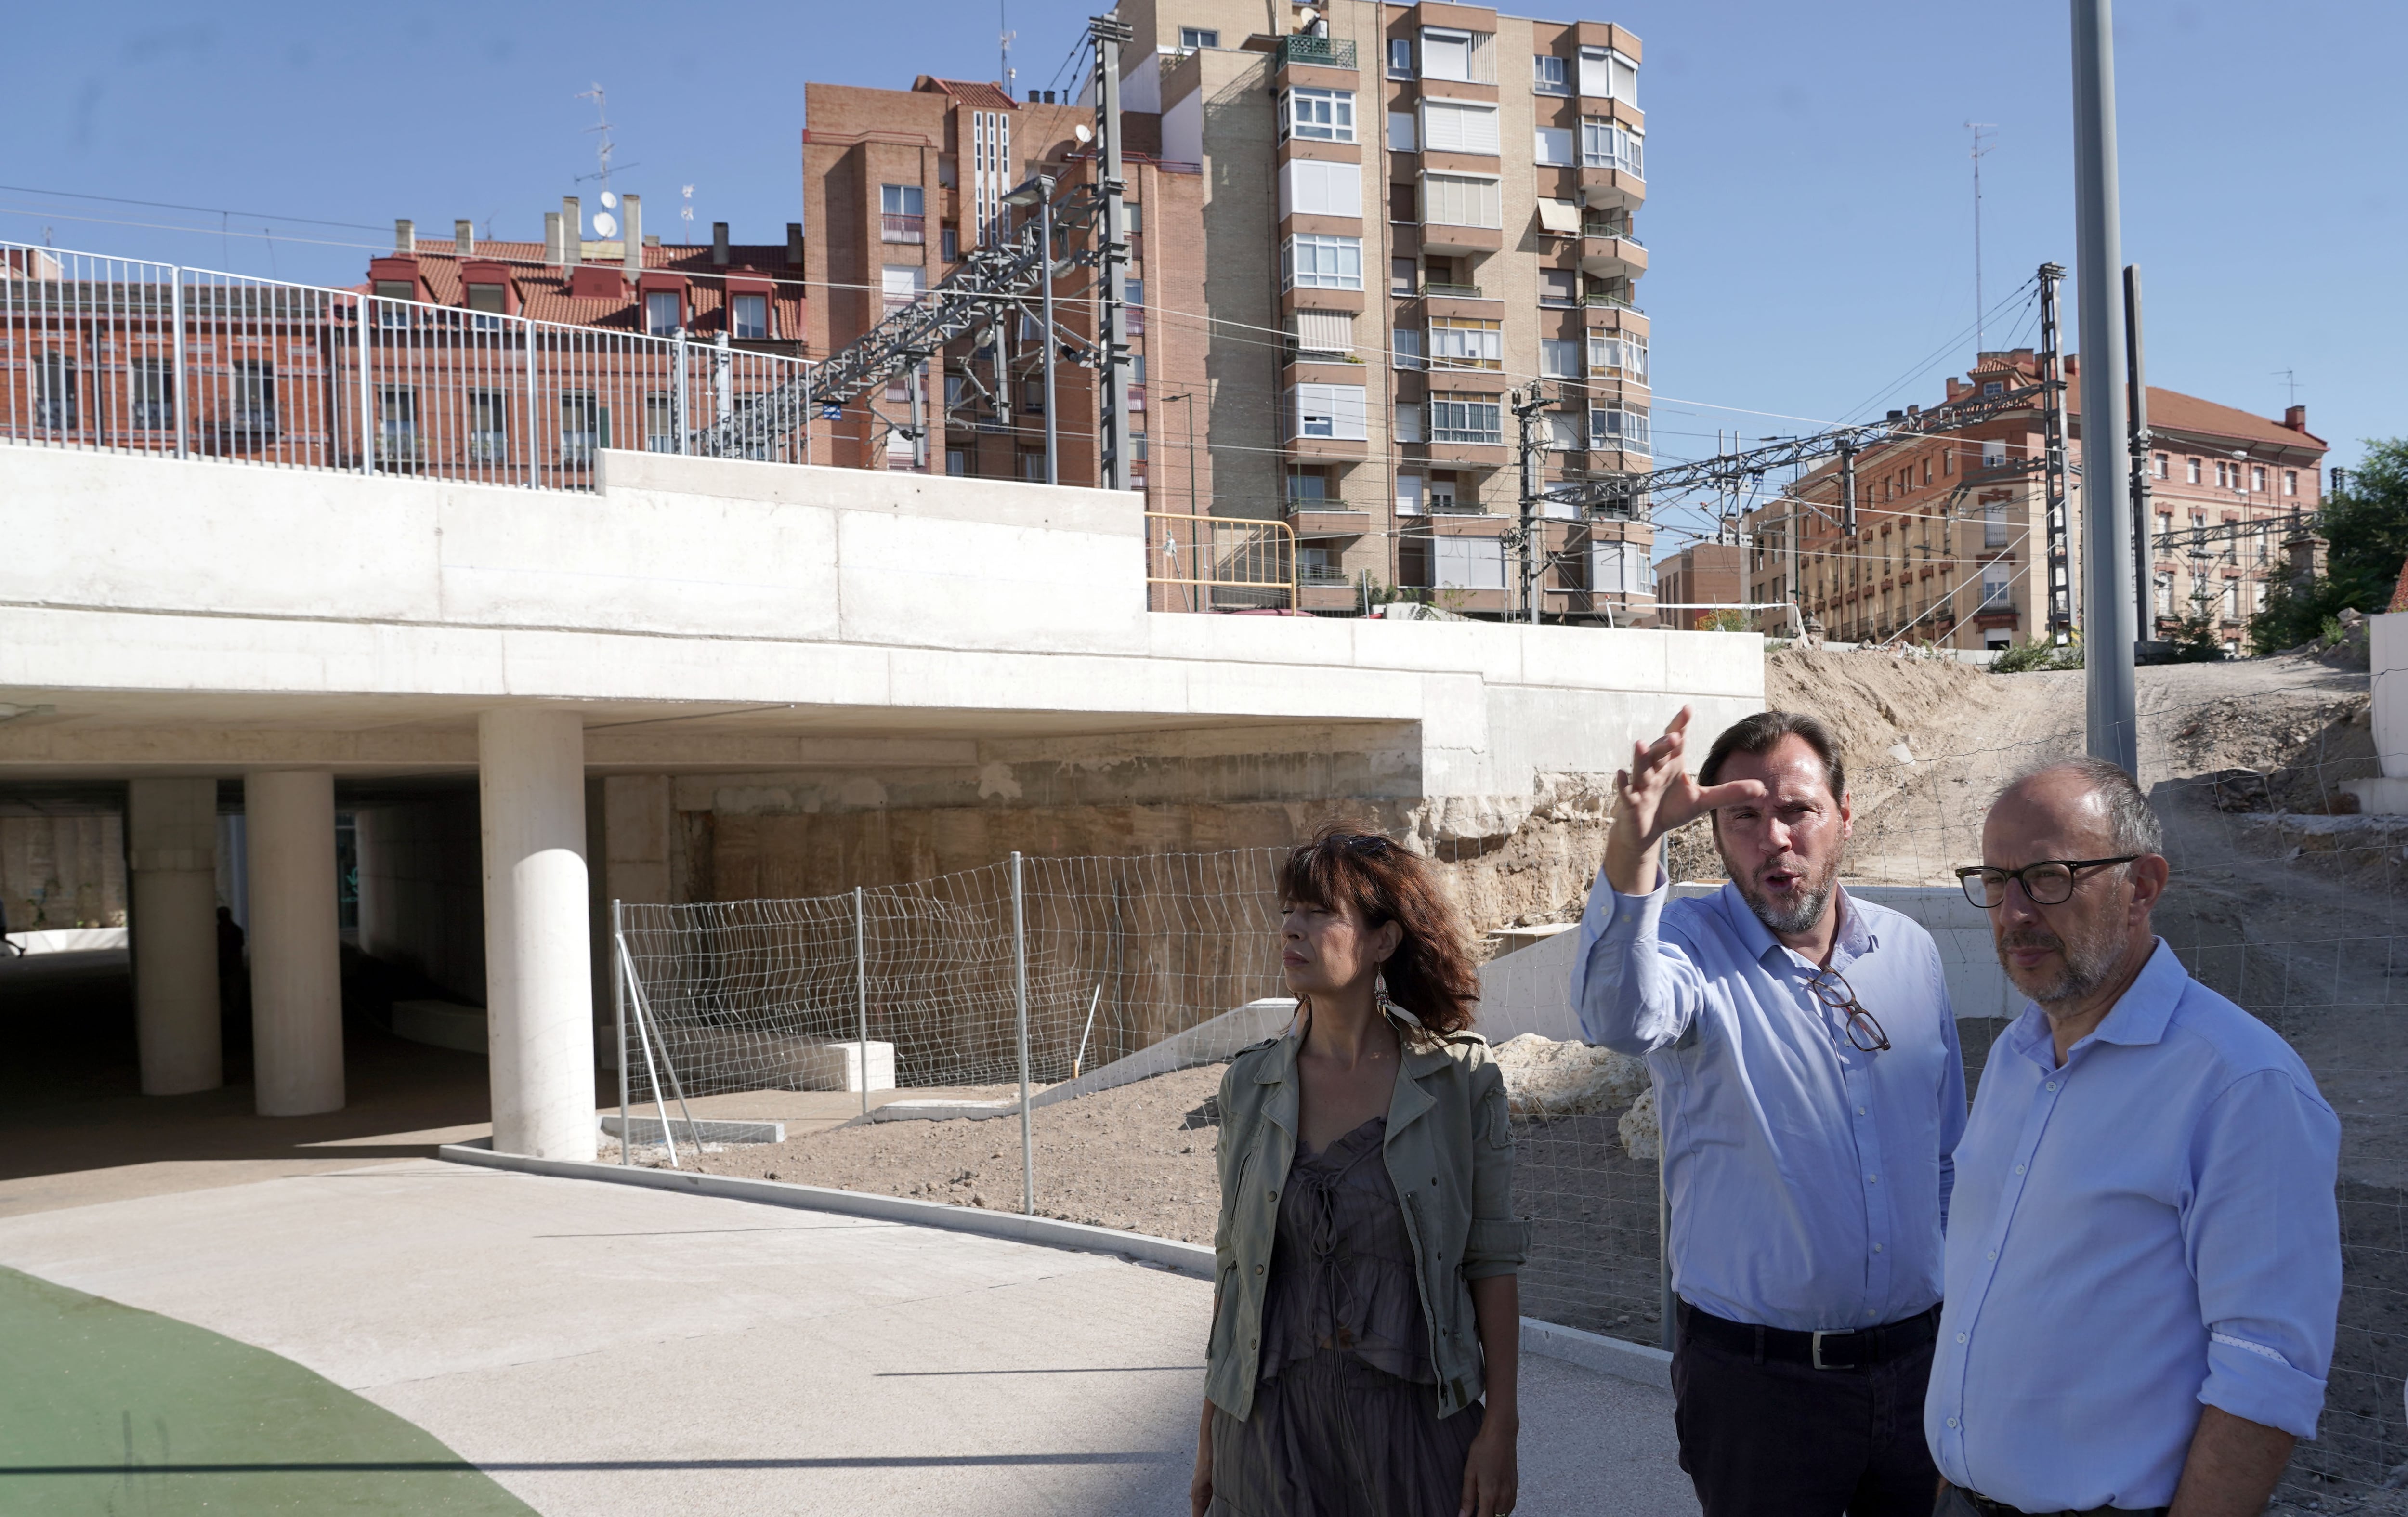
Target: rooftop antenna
{"points": [[1003, 20], [2291, 378], [685, 213], [604, 222], [1981, 132]]}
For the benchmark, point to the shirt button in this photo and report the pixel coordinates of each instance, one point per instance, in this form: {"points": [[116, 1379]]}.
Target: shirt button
{"points": [[1952, 1422], [1872, 1180], [1960, 1338], [1272, 1196], [1876, 1248], [1258, 1270], [1860, 1112], [2052, 1085], [2019, 1169], [1868, 1311], [1994, 1253]]}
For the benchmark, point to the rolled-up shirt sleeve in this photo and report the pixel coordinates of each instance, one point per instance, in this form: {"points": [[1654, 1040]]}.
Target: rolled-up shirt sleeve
{"points": [[2264, 1240], [1633, 990]]}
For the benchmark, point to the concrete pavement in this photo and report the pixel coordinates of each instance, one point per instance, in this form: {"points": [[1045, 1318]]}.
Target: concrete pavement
{"points": [[600, 1348]]}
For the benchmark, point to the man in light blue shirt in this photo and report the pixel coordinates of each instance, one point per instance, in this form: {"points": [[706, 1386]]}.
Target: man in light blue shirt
{"points": [[1809, 1087], [2143, 1256]]}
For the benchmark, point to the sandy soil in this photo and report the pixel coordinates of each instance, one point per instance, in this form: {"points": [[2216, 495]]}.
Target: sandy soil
{"points": [[1139, 1157]]}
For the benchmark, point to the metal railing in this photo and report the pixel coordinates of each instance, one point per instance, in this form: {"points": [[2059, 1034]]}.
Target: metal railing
{"points": [[898, 227], [1613, 303], [1220, 562], [1452, 291], [184, 362], [1609, 229], [1315, 51]]}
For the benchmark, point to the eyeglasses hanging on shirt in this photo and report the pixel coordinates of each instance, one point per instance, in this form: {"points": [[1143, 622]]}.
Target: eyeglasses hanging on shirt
{"points": [[1864, 1030]]}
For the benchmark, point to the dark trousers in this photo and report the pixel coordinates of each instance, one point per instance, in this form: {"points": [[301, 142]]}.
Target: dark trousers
{"points": [[1765, 1438]]}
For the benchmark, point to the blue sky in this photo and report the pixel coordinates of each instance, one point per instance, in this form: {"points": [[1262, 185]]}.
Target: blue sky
{"points": [[1810, 219]]}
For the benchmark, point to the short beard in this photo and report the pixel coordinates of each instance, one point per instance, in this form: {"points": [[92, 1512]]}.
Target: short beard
{"points": [[2091, 962], [1800, 918]]}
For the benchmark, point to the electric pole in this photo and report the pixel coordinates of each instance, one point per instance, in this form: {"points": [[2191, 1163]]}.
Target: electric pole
{"points": [[1529, 410], [2054, 484], [2107, 610], [1110, 31]]}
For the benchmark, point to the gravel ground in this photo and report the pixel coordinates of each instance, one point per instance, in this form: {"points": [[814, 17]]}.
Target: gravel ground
{"points": [[1139, 1157]]}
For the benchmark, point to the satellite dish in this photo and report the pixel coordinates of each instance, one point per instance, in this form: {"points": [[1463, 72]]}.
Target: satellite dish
{"points": [[610, 200], [1083, 136], [604, 224]]}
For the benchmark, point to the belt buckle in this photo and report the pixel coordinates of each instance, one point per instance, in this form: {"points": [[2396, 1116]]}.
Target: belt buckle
{"points": [[1839, 1332]]}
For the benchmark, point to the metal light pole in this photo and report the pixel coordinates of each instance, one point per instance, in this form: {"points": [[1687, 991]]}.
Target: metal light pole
{"points": [[1045, 230], [2109, 617]]}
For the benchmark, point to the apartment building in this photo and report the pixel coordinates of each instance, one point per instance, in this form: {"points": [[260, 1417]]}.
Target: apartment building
{"points": [[1952, 539], [1414, 210], [1702, 575]]}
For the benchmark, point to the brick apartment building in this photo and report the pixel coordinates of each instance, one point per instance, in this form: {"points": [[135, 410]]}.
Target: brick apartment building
{"points": [[1329, 304], [1952, 526], [1702, 574]]}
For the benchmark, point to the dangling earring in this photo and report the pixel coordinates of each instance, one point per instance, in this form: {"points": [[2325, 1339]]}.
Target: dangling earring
{"points": [[1388, 1007]]}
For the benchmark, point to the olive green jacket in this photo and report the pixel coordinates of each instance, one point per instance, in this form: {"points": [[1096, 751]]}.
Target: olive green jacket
{"points": [[1450, 1154]]}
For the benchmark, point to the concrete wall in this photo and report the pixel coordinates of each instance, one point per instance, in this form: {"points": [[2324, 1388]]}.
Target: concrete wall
{"points": [[62, 871]]}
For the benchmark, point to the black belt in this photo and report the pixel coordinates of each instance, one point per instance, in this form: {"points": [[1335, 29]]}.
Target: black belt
{"points": [[1847, 1347], [1998, 1509]]}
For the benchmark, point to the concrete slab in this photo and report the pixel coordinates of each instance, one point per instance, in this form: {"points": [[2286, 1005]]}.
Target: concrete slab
{"points": [[604, 1349]]}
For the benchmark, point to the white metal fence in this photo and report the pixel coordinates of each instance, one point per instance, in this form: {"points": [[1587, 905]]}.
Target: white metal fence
{"points": [[186, 363]]}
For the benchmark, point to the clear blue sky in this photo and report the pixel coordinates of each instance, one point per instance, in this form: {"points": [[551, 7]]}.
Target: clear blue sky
{"points": [[1810, 219]]}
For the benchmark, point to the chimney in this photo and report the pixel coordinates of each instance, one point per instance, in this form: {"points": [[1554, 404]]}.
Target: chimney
{"points": [[631, 210], [2073, 364], [552, 237], [464, 238], [794, 243], [572, 232], [719, 243], [404, 235], [2296, 418]]}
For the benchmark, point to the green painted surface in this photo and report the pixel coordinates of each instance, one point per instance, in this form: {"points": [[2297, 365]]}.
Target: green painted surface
{"points": [[106, 1410]]}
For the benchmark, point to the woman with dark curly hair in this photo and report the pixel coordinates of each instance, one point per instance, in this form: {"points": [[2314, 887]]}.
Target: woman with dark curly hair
{"points": [[1365, 1317]]}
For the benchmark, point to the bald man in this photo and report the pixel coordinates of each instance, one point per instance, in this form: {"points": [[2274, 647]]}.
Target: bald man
{"points": [[2144, 1258]]}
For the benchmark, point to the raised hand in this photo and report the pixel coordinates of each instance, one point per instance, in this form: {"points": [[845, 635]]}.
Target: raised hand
{"points": [[1655, 795]]}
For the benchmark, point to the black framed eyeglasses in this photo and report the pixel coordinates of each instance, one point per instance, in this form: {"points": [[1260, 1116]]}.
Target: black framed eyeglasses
{"points": [[1831, 988], [2049, 883]]}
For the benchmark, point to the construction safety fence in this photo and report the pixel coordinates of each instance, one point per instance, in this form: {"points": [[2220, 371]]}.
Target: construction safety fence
{"points": [[2284, 900], [140, 357]]}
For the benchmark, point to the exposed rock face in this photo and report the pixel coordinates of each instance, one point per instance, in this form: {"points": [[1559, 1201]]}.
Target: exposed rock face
{"points": [[1640, 1137], [1546, 1079]]}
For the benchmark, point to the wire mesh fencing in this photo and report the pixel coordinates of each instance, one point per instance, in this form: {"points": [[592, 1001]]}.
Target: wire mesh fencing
{"points": [[121, 353]]}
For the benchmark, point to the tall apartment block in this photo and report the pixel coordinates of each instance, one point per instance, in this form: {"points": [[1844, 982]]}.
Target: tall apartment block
{"points": [[1411, 211], [1357, 231], [1952, 526]]}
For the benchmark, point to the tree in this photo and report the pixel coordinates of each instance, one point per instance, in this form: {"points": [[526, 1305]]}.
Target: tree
{"points": [[2366, 525]]}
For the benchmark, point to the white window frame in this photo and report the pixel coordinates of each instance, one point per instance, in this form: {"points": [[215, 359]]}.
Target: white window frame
{"points": [[1193, 37], [1464, 127], [1607, 75], [1559, 358], [1468, 563], [1625, 427], [1476, 419], [1605, 144], [1994, 523], [1336, 412], [1570, 296], [901, 199], [1317, 115], [1404, 132], [736, 306], [1486, 189], [1408, 426], [1317, 187], [1466, 346], [1563, 432], [1994, 454], [1621, 355], [657, 301], [1441, 63], [1409, 495], [1545, 80], [1335, 263], [1408, 352], [1552, 147], [1401, 58]]}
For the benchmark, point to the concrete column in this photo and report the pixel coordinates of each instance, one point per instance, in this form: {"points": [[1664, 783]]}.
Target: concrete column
{"points": [[539, 986], [171, 845], [297, 984]]}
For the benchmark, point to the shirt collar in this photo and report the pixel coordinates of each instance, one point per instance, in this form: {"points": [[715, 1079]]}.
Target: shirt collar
{"points": [[1854, 940], [2140, 1016]]}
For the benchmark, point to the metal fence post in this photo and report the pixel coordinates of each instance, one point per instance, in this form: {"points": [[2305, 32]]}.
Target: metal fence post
{"points": [[534, 430], [684, 404], [183, 380], [861, 986], [367, 385], [619, 1018], [1020, 1003]]}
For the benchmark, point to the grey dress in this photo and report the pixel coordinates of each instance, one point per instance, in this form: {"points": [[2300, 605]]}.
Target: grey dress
{"points": [[1345, 1422]]}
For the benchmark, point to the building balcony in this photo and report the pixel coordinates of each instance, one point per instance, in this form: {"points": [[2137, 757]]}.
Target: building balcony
{"points": [[1314, 52], [1322, 520], [1450, 292], [1612, 255], [893, 226], [1322, 574], [1612, 189], [1444, 238]]}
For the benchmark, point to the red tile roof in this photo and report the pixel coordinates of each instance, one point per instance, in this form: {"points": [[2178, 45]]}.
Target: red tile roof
{"points": [[543, 289], [2174, 411], [970, 93]]}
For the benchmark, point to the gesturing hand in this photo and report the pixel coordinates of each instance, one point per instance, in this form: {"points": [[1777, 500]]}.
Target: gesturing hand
{"points": [[1655, 795]]}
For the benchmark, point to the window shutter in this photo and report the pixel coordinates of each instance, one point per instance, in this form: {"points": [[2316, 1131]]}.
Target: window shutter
{"points": [[1309, 187], [1596, 73], [1400, 131], [1625, 80], [1553, 146], [1325, 331], [1446, 55], [1559, 216], [1409, 429], [1409, 495]]}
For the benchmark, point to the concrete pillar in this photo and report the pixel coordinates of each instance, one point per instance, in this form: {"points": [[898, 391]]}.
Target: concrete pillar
{"points": [[297, 984], [171, 845], [539, 986]]}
